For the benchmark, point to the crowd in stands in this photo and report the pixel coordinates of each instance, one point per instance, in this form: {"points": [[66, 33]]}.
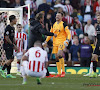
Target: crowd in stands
{"points": [[79, 15]]}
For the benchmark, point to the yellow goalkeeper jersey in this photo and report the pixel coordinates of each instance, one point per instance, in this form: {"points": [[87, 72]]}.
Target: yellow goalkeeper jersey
{"points": [[62, 33]]}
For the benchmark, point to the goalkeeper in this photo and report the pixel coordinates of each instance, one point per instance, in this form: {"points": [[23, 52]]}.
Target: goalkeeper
{"points": [[59, 42]]}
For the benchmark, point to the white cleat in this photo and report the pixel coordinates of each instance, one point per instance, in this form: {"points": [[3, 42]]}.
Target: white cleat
{"points": [[24, 83], [88, 74]]}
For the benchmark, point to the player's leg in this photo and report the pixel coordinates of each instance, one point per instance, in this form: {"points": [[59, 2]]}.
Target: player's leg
{"points": [[10, 58], [9, 69], [3, 69], [24, 70], [91, 69], [89, 63], [94, 58], [38, 75], [18, 64], [61, 59], [5, 65], [55, 51], [43, 74]]}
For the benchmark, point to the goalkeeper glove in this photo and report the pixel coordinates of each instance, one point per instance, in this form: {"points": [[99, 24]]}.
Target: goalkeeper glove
{"points": [[66, 42]]}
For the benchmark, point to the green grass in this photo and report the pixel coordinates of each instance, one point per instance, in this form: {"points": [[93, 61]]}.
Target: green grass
{"points": [[69, 82]]}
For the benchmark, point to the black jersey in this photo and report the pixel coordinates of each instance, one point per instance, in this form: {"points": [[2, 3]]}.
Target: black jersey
{"points": [[9, 31], [98, 34]]}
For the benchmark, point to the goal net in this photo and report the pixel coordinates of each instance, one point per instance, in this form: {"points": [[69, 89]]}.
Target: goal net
{"points": [[4, 20]]}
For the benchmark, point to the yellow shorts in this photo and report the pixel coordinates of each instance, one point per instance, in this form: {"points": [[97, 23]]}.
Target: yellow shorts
{"points": [[59, 47]]}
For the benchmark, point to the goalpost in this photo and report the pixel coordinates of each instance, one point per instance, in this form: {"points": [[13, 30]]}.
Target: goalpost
{"points": [[4, 20]]}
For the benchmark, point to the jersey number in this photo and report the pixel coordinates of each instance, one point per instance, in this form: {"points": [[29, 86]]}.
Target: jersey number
{"points": [[37, 53]]}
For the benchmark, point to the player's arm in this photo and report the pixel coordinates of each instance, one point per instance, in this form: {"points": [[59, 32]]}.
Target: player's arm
{"points": [[68, 33], [68, 36], [48, 38], [25, 56], [44, 32], [14, 44], [6, 34], [8, 39]]}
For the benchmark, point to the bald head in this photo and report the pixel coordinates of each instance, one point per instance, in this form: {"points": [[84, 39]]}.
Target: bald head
{"points": [[38, 44]]}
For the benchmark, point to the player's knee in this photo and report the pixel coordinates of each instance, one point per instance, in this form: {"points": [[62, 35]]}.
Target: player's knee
{"points": [[95, 57]]}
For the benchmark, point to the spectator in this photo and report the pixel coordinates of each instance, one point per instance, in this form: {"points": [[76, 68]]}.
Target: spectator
{"points": [[96, 6], [38, 2], [78, 30], [87, 11], [58, 4], [74, 13], [25, 24], [32, 3], [68, 19], [90, 2], [73, 33], [44, 7], [85, 53], [68, 7], [82, 2], [73, 56], [5, 3], [75, 4], [18, 3], [89, 29], [48, 22], [78, 22], [80, 17]]}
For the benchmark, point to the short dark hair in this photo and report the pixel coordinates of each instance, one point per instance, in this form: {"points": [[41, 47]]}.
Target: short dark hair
{"points": [[12, 17], [39, 16], [19, 25], [61, 13]]}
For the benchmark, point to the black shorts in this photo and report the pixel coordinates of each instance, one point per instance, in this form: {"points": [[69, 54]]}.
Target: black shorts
{"points": [[97, 50], [9, 53], [85, 62]]}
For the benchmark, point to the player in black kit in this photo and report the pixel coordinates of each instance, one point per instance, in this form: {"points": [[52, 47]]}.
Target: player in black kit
{"points": [[96, 52], [9, 45]]}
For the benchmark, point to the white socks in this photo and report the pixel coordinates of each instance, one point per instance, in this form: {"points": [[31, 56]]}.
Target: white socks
{"points": [[91, 68]]}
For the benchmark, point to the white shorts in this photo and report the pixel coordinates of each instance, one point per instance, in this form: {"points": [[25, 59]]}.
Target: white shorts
{"points": [[41, 74], [18, 56], [25, 70]]}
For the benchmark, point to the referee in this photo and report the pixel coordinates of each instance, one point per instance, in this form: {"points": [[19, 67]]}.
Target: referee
{"points": [[9, 46]]}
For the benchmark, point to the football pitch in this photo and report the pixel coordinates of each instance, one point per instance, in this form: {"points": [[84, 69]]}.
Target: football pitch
{"points": [[69, 82]]}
